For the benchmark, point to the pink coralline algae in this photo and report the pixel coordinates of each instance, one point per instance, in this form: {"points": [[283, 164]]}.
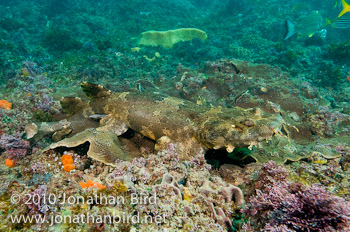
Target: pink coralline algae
{"points": [[14, 145], [43, 102], [282, 206], [30, 69], [35, 202]]}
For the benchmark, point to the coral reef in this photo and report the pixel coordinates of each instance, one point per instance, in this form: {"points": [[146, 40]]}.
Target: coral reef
{"points": [[185, 194], [14, 146], [339, 52], [281, 205], [195, 120]]}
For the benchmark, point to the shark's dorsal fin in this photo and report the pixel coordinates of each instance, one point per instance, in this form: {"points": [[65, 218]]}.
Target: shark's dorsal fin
{"points": [[94, 91], [72, 105]]}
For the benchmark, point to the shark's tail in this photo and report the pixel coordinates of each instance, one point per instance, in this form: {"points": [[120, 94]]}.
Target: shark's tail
{"points": [[290, 30]]}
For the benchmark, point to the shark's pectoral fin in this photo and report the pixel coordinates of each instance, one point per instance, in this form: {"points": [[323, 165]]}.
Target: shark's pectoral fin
{"points": [[104, 145]]}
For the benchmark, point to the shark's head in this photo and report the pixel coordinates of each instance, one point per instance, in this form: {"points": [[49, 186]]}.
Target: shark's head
{"points": [[237, 127]]}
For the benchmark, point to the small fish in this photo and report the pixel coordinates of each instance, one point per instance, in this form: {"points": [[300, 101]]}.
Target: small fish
{"points": [[307, 26], [346, 8], [239, 96], [97, 116]]}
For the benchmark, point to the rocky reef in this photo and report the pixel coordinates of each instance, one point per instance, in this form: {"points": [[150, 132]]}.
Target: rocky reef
{"points": [[154, 146], [227, 128]]}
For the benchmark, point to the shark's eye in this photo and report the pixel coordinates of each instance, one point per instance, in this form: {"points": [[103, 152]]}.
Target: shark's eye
{"points": [[248, 123]]}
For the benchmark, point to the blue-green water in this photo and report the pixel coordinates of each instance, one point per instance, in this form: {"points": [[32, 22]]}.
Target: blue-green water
{"points": [[236, 114]]}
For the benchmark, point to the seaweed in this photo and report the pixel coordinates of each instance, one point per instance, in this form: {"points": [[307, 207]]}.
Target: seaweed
{"points": [[41, 116], [10, 24], [329, 75], [338, 52], [60, 40]]}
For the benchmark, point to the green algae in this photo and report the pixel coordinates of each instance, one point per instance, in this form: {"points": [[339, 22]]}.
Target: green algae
{"points": [[56, 39], [339, 52], [42, 116]]}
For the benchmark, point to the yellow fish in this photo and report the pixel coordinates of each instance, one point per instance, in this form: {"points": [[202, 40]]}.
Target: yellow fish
{"points": [[346, 8]]}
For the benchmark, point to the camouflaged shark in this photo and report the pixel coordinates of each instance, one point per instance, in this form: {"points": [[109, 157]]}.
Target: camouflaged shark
{"points": [[193, 129]]}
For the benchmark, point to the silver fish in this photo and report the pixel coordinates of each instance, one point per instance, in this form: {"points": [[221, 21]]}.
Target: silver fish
{"points": [[307, 26]]}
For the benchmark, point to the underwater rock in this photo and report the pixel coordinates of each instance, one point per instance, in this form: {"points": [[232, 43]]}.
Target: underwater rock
{"points": [[192, 129]]}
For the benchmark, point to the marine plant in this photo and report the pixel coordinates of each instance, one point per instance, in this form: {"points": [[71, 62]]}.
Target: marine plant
{"points": [[41, 116], [329, 75], [338, 52], [10, 24], [56, 39], [279, 205]]}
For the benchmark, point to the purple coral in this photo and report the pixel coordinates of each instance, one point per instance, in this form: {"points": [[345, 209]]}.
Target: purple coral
{"points": [[199, 162], [14, 145], [295, 206], [139, 162], [43, 102], [36, 200], [38, 167], [31, 68]]}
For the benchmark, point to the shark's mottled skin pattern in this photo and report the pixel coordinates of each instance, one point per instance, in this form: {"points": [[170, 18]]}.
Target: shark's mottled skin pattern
{"points": [[192, 128]]}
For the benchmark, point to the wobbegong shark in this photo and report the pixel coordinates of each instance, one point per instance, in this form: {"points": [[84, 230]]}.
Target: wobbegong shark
{"points": [[192, 128]]}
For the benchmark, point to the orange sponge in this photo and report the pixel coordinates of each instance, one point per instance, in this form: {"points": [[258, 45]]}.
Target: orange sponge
{"points": [[5, 104], [68, 167], [67, 161], [91, 183], [9, 163]]}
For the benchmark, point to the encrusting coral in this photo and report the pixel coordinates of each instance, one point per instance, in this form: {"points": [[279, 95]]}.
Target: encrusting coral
{"points": [[158, 117], [168, 39]]}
